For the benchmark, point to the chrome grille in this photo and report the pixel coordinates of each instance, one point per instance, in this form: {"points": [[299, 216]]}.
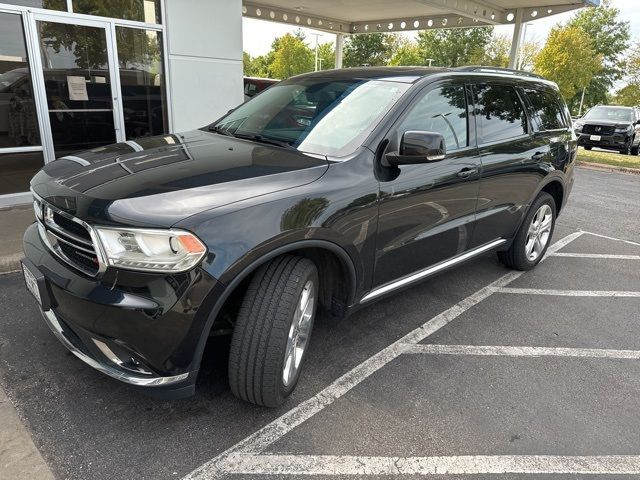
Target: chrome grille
{"points": [[68, 237]]}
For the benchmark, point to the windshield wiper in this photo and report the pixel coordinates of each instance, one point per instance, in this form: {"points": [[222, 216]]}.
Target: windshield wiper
{"points": [[262, 139], [217, 129]]}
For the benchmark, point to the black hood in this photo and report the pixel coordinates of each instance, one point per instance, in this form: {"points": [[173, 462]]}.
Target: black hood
{"points": [[158, 181], [607, 123]]}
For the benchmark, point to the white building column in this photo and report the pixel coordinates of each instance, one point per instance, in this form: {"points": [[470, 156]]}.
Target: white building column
{"points": [[517, 39], [339, 49], [204, 39]]}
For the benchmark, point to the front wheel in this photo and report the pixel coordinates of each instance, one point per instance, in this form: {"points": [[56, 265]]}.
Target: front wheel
{"points": [[533, 238], [628, 148], [272, 330]]}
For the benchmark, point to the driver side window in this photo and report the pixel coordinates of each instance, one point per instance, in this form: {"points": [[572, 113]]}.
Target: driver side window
{"points": [[442, 110]]}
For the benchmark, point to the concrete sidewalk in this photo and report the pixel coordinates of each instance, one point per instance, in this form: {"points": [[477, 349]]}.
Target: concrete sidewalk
{"points": [[19, 457], [13, 222]]}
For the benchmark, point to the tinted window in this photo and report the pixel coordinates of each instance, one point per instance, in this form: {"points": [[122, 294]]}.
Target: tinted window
{"points": [[499, 113], [546, 106], [442, 110]]}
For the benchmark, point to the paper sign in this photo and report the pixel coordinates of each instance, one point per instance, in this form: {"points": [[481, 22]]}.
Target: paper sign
{"points": [[77, 88]]}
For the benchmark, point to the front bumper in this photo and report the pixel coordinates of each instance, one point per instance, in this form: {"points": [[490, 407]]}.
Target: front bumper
{"points": [[616, 141], [147, 330], [109, 366]]}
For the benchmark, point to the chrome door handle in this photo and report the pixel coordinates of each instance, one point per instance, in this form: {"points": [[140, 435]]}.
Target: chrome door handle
{"points": [[467, 172]]}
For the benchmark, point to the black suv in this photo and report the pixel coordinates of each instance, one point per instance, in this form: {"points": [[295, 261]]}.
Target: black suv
{"points": [[610, 127], [327, 191]]}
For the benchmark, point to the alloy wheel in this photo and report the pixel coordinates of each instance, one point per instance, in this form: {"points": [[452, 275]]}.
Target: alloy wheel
{"points": [[299, 332], [539, 233]]}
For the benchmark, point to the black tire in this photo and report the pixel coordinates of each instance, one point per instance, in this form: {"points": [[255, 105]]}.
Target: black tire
{"points": [[257, 354], [588, 148], [627, 149], [515, 257], [634, 149]]}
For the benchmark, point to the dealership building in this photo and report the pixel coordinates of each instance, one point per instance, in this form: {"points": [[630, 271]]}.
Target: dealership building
{"points": [[80, 74]]}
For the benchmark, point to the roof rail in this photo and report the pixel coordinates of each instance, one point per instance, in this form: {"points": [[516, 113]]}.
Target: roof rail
{"points": [[507, 71]]}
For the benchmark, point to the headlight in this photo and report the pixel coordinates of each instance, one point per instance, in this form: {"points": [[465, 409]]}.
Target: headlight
{"points": [[623, 128], [151, 250], [578, 125]]}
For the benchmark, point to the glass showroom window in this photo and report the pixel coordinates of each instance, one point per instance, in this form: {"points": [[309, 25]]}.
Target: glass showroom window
{"points": [[20, 145], [48, 4], [147, 11], [140, 58]]}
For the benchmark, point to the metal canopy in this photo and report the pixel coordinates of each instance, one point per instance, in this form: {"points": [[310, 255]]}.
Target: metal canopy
{"points": [[366, 16]]}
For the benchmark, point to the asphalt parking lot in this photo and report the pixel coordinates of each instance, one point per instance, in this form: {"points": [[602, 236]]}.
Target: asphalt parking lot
{"points": [[477, 372]]}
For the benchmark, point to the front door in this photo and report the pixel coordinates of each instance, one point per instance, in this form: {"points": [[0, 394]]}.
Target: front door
{"points": [[80, 82], [427, 211]]}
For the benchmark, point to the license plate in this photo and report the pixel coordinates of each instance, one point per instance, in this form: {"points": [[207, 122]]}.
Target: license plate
{"points": [[595, 138], [32, 283]]}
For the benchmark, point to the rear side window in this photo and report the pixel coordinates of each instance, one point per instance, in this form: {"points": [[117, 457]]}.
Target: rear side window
{"points": [[547, 108], [499, 113], [441, 110]]}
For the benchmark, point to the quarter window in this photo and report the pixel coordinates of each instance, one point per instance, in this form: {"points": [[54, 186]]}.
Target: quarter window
{"points": [[499, 113], [547, 108], [441, 110]]}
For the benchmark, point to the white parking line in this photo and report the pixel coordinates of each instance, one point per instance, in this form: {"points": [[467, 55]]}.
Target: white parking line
{"points": [[611, 238], [261, 439], [597, 255], [509, 351], [462, 465], [568, 293]]}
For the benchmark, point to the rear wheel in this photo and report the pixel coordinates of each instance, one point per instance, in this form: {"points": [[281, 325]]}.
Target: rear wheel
{"points": [[272, 330], [532, 240], [588, 148]]}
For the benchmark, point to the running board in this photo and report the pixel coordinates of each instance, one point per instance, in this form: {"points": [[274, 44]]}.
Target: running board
{"points": [[431, 270]]}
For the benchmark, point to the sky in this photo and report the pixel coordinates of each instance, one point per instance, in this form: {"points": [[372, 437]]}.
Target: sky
{"points": [[259, 34]]}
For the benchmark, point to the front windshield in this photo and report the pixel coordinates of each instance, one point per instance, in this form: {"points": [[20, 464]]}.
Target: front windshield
{"points": [[610, 114], [314, 115]]}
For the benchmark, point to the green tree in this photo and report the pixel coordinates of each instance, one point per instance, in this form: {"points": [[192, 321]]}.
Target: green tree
{"points": [[610, 39], [454, 47], [407, 54], [326, 53], [495, 53], [568, 59], [247, 67], [528, 54], [373, 49], [628, 96], [255, 66], [291, 56], [632, 70]]}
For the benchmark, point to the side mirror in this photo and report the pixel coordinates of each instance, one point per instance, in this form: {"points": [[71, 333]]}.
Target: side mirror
{"points": [[418, 147]]}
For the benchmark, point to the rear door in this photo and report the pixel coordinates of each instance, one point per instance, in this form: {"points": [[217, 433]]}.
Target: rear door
{"points": [[427, 211], [551, 122], [511, 160]]}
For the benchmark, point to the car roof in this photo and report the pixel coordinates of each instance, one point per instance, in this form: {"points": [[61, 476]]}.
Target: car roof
{"points": [[414, 74]]}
